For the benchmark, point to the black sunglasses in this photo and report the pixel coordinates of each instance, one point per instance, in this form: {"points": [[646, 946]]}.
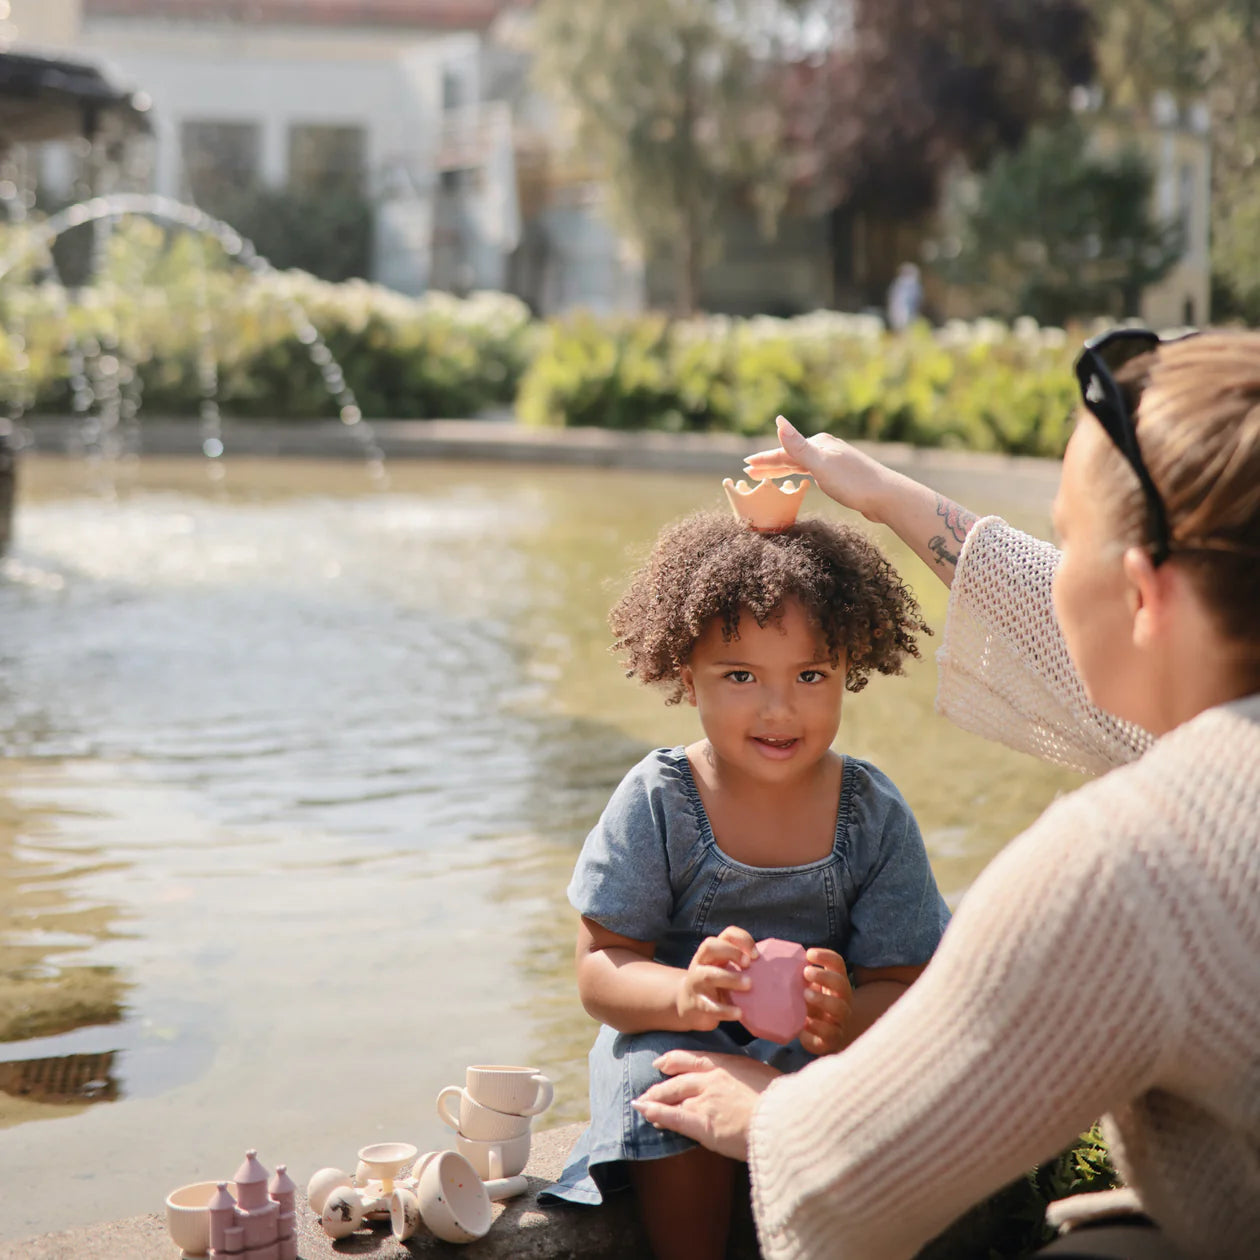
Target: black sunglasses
{"points": [[1096, 366]]}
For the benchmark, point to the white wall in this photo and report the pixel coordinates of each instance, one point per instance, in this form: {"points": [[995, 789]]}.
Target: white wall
{"points": [[392, 90], [44, 23]]}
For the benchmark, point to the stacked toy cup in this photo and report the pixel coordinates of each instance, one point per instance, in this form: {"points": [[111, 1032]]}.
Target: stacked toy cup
{"points": [[492, 1113]]}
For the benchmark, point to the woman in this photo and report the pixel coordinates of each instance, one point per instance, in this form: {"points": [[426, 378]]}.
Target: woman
{"points": [[1108, 960]]}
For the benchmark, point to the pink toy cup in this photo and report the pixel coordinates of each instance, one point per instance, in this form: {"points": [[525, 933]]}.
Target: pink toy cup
{"points": [[188, 1217]]}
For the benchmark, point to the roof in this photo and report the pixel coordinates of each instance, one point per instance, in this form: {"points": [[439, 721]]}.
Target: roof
{"points": [[445, 15], [52, 98]]}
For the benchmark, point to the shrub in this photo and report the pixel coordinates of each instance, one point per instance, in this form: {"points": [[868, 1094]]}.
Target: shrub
{"points": [[984, 386]]}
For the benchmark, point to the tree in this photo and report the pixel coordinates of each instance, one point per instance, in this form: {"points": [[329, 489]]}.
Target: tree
{"points": [[1057, 231], [669, 97], [1201, 51], [905, 88]]}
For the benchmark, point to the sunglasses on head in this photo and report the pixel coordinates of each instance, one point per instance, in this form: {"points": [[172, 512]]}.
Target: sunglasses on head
{"points": [[1096, 365]]}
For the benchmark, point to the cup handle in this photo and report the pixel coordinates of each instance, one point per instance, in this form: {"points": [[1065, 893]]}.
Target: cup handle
{"points": [[451, 1091], [542, 1100]]}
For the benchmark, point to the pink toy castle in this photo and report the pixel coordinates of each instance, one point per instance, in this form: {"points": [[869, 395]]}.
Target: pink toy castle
{"points": [[260, 1223]]}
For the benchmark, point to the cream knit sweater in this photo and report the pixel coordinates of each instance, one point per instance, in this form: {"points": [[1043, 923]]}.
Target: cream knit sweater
{"points": [[1107, 961]]}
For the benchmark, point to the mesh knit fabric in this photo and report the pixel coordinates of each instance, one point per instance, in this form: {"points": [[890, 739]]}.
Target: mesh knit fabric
{"points": [[1106, 961]]}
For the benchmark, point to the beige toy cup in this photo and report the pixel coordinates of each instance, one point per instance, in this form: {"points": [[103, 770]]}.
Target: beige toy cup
{"points": [[188, 1217], [517, 1091], [495, 1160], [458, 1108], [452, 1201]]}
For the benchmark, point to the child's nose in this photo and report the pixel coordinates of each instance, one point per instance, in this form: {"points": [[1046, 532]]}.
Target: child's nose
{"points": [[776, 701]]}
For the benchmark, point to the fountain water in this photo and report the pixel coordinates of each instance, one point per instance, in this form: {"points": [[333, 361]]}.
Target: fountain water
{"points": [[116, 407], [54, 98]]}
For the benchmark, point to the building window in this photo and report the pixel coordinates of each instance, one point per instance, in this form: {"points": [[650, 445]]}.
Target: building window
{"points": [[326, 159], [453, 93], [220, 159]]}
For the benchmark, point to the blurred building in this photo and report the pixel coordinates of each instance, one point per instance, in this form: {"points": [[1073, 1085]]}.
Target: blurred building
{"points": [[42, 23], [382, 98], [1177, 142], [426, 109]]}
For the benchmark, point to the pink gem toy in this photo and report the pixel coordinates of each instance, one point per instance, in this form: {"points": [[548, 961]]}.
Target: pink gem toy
{"points": [[774, 1008], [766, 507]]}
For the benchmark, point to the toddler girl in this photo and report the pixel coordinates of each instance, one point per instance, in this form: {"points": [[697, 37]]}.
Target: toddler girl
{"points": [[758, 829]]}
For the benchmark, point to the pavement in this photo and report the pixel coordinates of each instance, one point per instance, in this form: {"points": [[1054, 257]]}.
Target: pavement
{"points": [[522, 1230]]}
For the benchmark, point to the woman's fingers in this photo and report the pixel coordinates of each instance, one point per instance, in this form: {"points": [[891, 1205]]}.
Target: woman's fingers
{"points": [[675, 1090], [675, 1061], [769, 470]]}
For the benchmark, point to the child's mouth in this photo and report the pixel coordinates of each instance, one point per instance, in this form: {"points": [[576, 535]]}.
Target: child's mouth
{"points": [[776, 744]]}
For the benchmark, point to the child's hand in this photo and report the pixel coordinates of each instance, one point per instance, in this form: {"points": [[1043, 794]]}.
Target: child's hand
{"points": [[702, 996], [828, 997]]}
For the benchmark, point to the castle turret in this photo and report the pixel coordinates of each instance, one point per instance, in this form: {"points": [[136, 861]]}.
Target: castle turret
{"points": [[251, 1183], [222, 1216], [282, 1189]]}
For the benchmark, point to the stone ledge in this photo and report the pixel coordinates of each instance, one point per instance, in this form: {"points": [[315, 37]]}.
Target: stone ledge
{"points": [[1020, 476], [522, 1230]]}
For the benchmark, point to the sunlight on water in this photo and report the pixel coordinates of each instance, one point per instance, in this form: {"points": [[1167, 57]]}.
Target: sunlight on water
{"points": [[295, 772]]}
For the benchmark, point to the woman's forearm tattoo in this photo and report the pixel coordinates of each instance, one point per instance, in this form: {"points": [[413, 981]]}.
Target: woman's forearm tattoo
{"points": [[958, 523]]}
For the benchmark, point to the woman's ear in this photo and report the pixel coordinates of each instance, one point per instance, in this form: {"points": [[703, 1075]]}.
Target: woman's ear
{"points": [[688, 679], [1148, 590]]}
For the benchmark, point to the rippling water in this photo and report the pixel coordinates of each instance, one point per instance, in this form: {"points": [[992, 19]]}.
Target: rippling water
{"points": [[294, 773]]}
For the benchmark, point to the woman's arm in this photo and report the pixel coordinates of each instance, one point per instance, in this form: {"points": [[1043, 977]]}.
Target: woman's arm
{"points": [[1005, 670], [933, 526], [1019, 1034]]}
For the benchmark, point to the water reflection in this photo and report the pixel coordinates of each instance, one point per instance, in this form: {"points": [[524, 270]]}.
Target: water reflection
{"points": [[294, 776]]}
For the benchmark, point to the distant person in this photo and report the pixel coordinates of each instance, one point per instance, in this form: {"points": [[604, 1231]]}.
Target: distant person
{"points": [[759, 829], [1107, 961], [905, 297]]}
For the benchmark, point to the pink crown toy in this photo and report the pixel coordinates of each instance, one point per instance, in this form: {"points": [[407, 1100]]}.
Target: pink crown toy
{"points": [[766, 507]]}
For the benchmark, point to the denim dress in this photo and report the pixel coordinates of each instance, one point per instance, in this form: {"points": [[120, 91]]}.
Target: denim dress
{"points": [[652, 870]]}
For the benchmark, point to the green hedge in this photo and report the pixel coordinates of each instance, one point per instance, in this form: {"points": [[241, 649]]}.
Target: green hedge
{"points": [[171, 310], [982, 386]]}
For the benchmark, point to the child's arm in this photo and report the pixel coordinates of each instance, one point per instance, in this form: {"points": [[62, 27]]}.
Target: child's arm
{"points": [[621, 985], [876, 990]]}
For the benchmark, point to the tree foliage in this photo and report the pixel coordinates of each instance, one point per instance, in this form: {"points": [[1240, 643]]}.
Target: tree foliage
{"points": [[668, 96], [1056, 230], [683, 103], [906, 88]]}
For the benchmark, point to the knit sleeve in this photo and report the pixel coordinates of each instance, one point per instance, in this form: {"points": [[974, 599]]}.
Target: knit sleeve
{"points": [[1004, 668], [1049, 1002]]}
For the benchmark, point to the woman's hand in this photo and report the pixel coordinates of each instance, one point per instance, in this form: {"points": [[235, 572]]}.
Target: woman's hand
{"points": [[933, 526], [702, 999], [709, 1098], [842, 471], [828, 999]]}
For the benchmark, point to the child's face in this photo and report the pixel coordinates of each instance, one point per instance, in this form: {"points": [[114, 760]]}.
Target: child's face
{"points": [[769, 700]]}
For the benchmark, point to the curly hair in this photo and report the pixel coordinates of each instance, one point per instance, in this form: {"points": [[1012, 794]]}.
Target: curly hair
{"points": [[712, 565]]}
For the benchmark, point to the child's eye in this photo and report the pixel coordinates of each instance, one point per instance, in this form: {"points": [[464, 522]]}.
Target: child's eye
{"points": [[739, 675], [812, 675]]}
